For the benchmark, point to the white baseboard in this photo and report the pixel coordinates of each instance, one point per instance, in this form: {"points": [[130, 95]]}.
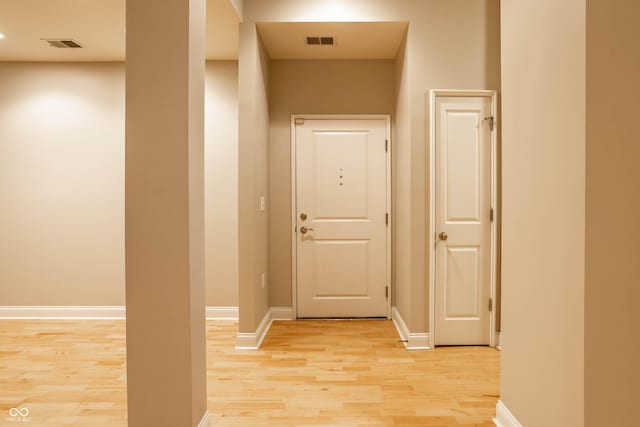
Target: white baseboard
{"points": [[412, 341], [499, 340], [93, 313], [222, 313], [62, 313], [282, 313], [204, 422], [253, 340], [504, 418]]}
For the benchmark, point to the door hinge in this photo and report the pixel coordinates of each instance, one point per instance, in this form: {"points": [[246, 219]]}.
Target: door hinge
{"points": [[386, 145], [490, 304], [491, 215], [299, 121], [386, 292], [492, 122], [386, 219]]}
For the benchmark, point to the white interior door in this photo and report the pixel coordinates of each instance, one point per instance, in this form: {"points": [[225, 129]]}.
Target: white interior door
{"points": [[463, 207], [341, 208]]}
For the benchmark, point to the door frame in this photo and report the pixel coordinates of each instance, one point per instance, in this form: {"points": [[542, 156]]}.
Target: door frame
{"points": [[294, 214], [493, 96]]}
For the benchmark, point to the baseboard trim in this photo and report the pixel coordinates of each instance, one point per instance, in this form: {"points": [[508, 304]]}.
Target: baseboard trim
{"points": [[499, 340], [62, 313], [204, 422], [222, 313], [504, 418], [282, 313], [96, 313], [253, 340], [411, 341]]}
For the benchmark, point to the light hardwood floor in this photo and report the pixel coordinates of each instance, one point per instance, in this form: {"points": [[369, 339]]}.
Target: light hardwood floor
{"points": [[307, 373]]}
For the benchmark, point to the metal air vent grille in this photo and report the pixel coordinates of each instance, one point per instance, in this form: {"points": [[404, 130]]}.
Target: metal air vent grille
{"points": [[320, 41], [63, 43]]}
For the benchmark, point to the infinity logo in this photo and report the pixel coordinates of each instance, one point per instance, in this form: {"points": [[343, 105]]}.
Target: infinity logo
{"points": [[21, 412]]}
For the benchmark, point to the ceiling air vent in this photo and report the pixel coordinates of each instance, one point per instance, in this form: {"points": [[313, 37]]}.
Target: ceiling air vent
{"points": [[320, 41], [63, 43]]}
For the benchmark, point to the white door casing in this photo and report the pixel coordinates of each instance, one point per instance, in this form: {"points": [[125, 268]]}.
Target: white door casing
{"points": [[463, 232], [342, 186]]}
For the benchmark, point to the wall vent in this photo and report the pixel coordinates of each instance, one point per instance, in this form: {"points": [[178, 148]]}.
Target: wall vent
{"points": [[320, 41], [63, 43]]}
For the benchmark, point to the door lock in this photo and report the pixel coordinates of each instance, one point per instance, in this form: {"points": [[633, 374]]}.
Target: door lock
{"points": [[443, 236], [304, 229], [303, 216]]}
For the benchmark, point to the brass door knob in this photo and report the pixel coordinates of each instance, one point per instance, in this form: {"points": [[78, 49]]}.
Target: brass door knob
{"points": [[304, 229], [443, 236]]}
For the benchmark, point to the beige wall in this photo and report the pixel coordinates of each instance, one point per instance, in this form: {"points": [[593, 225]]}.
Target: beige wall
{"points": [[451, 44], [221, 182], [253, 140], [313, 87], [612, 336], [62, 184], [401, 206], [543, 124]]}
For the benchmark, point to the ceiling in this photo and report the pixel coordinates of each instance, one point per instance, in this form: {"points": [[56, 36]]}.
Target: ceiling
{"points": [[353, 40], [98, 25]]}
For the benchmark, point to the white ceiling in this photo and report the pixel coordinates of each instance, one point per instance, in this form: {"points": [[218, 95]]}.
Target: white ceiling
{"points": [[98, 25], [354, 40]]}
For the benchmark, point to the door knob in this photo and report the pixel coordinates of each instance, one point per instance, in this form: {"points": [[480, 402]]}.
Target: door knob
{"points": [[304, 229], [303, 216], [443, 236]]}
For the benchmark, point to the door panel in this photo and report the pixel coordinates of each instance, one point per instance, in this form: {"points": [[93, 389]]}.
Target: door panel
{"points": [[463, 284], [330, 277], [461, 168], [463, 203], [340, 175], [341, 185]]}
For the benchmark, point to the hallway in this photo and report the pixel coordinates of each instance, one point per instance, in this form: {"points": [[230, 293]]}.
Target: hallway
{"points": [[70, 373]]}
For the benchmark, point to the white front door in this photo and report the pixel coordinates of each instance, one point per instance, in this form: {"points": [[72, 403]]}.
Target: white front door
{"points": [[463, 206], [341, 208]]}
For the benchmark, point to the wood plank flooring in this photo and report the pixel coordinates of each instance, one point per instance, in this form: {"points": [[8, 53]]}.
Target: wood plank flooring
{"points": [[66, 373], [307, 373]]}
